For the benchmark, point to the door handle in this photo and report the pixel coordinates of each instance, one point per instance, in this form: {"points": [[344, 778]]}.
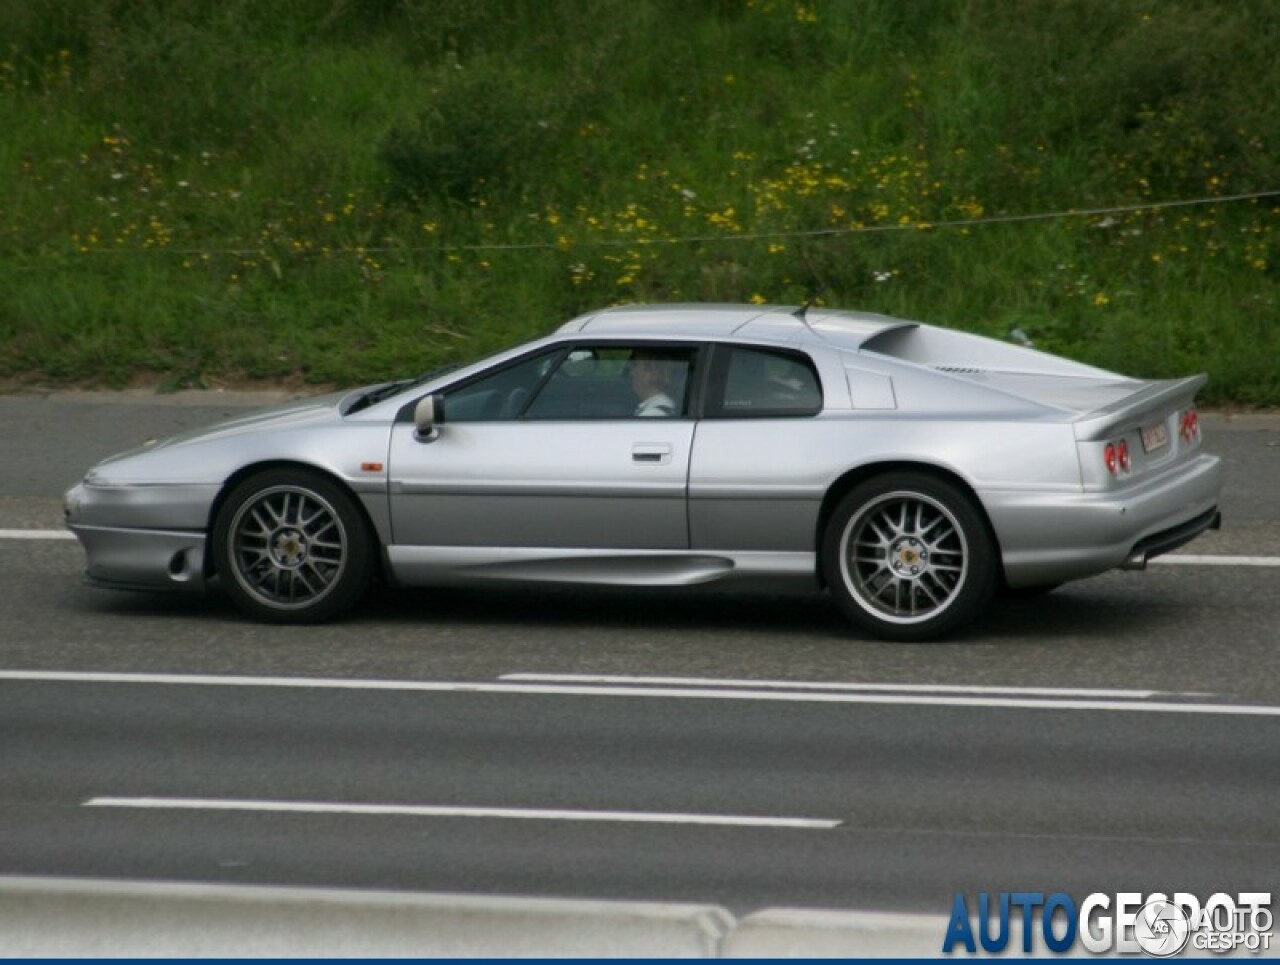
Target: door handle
{"points": [[651, 453]]}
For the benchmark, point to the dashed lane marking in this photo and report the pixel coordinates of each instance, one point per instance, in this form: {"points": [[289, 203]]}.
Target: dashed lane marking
{"points": [[439, 811]]}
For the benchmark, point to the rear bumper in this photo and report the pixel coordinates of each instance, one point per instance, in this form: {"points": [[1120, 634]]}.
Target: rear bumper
{"points": [[1052, 537], [1170, 539]]}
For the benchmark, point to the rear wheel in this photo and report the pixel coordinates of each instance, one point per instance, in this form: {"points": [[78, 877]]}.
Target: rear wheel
{"points": [[292, 547], [908, 557]]}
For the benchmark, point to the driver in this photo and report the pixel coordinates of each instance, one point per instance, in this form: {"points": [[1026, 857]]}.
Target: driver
{"points": [[651, 381]]}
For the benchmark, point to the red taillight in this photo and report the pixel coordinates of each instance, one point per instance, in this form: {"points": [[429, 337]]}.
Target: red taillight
{"points": [[1116, 457], [1190, 428]]}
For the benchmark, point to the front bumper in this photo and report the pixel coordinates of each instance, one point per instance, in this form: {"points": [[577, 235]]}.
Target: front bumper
{"points": [[1054, 537], [145, 537], [143, 559]]}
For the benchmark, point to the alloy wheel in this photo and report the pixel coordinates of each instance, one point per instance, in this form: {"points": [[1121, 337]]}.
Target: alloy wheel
{"points": [[904, 557], [288, 547]]}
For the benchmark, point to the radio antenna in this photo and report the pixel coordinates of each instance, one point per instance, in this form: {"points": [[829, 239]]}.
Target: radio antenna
{"points": [[810, 300]]}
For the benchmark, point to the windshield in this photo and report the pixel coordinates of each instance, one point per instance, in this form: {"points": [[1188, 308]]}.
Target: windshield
{"points": [[383, 392]]}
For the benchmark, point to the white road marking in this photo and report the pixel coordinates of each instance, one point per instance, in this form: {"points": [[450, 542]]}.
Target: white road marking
{"points": [[691, 693], [40, 534], [806, 685], [437, 811], [1184, 559]]}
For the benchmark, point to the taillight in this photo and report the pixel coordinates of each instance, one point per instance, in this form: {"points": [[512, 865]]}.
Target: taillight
{"points": [[1116, 457], [1190, 426]]}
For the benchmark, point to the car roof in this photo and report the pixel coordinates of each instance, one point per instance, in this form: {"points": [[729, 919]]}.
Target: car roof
{"points": [[769, 323]]}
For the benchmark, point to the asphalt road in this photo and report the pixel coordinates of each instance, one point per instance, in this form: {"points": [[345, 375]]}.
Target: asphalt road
{"points": [[941, 780]]}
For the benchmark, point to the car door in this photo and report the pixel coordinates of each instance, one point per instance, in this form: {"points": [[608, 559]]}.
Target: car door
{"points": [[756, 478], [549, 451]]}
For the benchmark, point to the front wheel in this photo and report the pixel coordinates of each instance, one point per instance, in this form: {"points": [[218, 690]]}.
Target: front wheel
{"points": [[909, 557], [292, 547]]}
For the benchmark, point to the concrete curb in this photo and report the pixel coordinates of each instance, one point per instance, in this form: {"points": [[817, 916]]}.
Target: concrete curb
{"points": [[802, 933], [77, 918], [83, 918], [72, 918]]}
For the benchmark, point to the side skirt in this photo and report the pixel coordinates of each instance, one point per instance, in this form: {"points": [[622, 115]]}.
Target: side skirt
{"points": [[466, 565]]}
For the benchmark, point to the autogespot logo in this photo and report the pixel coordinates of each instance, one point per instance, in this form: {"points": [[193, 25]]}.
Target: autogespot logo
{"points": [[1162, 928], [1127, 923]]}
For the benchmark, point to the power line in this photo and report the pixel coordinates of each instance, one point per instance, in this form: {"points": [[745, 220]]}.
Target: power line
{"points": [[854, 229], [865, 229]]}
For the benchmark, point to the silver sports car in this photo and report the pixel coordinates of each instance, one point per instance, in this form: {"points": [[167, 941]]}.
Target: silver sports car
{"points": [[909, 470]]}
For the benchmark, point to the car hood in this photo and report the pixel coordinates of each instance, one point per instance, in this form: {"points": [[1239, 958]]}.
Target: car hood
{"points": [[302, 412]]}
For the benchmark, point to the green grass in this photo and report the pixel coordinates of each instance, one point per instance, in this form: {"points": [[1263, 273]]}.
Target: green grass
{"points": [[339, 190]]}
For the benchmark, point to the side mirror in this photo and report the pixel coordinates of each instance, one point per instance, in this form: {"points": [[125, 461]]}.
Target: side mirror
{"points": [[428, 416]]}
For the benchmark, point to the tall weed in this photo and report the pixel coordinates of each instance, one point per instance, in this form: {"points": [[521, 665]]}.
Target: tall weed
{"points": [[336, 190]]}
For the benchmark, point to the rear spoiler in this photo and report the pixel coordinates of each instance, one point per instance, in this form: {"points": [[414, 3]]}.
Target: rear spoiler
{"points": [[1148, 404]]}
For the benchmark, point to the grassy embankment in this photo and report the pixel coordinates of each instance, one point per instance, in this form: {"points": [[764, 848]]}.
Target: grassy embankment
{"points": [[199, 192]]}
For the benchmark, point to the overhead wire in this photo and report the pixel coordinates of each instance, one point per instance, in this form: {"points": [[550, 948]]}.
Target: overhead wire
{"points": [[740, 237]]}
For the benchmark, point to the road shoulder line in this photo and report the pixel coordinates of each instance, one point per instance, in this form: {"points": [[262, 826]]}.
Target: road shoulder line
{"points": [[691, 693]]}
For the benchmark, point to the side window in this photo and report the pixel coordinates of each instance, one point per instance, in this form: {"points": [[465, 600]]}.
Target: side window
{"points": [[757, 383], [617, 382], [501, 396]]}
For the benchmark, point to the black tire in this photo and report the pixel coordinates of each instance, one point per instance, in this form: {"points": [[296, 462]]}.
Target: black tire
{"points": [[909, 557], [292, 546], [1017, 593]]}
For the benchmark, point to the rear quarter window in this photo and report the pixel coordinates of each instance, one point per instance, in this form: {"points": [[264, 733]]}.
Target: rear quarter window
{"points": [[747, 383]]}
